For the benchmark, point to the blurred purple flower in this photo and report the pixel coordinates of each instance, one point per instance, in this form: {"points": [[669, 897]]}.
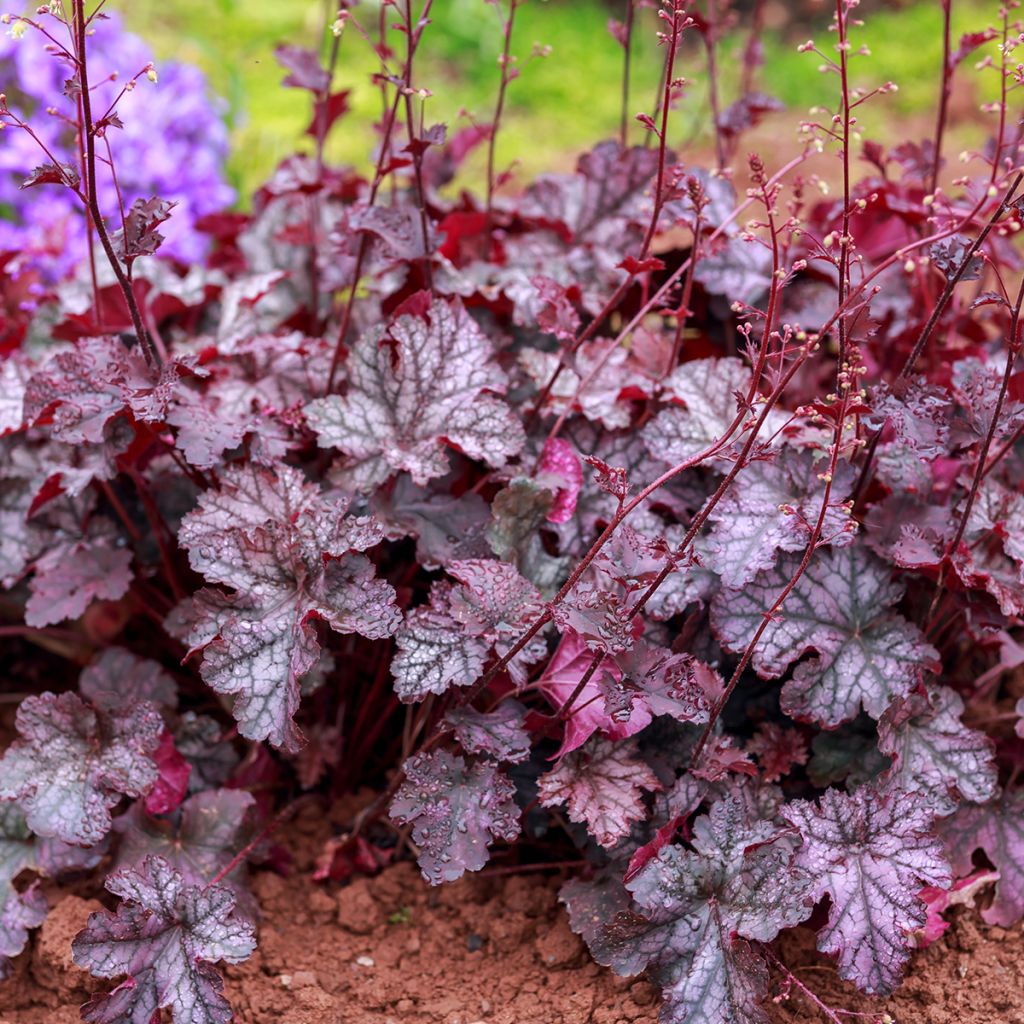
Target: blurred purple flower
{"points": [[174, 145]]}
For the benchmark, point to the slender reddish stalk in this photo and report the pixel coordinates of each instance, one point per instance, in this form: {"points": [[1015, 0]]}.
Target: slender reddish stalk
{"points": [[627, 60], [91, 192], [507, 75], [946, 88]]}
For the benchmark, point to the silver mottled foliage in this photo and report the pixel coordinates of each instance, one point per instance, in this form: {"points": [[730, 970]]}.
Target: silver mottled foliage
{"points": [[455, 810], [602, 785], [413, 390], [871, 851], [72, 763], [865, 654], [163, 939], [706, 390], [446, 642], [773, 505], [501, 733], [287, 553], [697, 911], [935, 753]]}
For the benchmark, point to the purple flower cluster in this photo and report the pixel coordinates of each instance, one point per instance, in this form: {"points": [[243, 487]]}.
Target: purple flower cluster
{"points": [[174, 144]]}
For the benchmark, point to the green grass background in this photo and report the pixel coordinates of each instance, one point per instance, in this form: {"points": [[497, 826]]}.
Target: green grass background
{"points": [[559, 104]]}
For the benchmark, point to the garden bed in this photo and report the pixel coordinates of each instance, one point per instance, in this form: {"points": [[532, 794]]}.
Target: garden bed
{"points": [[489, 949]]}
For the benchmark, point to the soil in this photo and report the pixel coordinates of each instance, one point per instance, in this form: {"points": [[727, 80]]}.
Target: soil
{"points": [[489, 949]]}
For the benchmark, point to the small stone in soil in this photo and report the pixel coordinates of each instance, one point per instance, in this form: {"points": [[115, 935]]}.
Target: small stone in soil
{"points": [[474, 943]]}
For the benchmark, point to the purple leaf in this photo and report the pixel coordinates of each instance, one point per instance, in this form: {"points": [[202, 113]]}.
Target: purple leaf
{"points": [[602, 785], [139, 236], [117, 677], [72, 763], [866, 655], [603, 200], [164, 938], [997, 828], [455, 810], [398, 229], [501, 733], [286, 552], [413, 391], [773, 506], [935, 753], [699, 908], [706, 389], [432, 654], [304, 69], [563, 674], [871, 851], [446, 643], [67, 581], [198, 840], [741, 271], [446, 528], [52, 174], [662, 683]]}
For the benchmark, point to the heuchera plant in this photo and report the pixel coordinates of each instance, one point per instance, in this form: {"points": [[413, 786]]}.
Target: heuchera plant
{"points": [[669, 515]]}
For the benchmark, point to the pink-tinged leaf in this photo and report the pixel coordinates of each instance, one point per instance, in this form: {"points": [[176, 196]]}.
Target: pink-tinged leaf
{"points": [[414, 390], [286, 552], [997, 828], [171, 785], [304, 69], [455, 810], [597, 614], [935, 753], [699, 908], [70, 579], [71, 763], [199, 839], [720, 758], [560, 461], [976, 386], [602, 786], [706, 392], [118, 677], [660, 682], [871, 852], [937, 901], [918, 415], [164, 939], [564, 672], [778, 750], [773, 506], [500, 733], [613, 480], [139, 236], [556, 313], [865, 654]]}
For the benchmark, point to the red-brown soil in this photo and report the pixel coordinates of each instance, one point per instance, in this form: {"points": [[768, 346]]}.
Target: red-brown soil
{"points": [[490, 949]]}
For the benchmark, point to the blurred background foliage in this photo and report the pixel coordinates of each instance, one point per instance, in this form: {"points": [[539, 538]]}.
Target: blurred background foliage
{"points": [[565, 101]]}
